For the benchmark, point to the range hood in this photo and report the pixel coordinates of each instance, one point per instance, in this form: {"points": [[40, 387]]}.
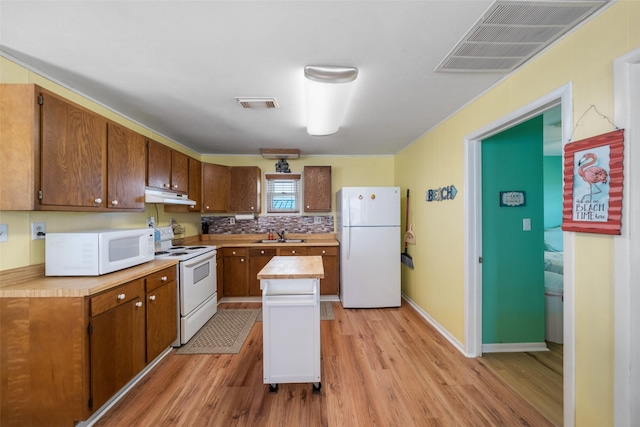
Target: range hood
{"points": [[167, 197]]}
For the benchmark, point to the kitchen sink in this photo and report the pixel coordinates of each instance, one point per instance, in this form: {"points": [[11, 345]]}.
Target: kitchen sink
{"points": [[281, 241]]}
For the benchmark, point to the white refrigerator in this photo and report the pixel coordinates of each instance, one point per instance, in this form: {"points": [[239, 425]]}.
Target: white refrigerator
{"points": [[368, 229]]}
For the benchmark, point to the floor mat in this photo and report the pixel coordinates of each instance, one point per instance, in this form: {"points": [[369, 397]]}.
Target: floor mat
{"points": [[225, 332]]}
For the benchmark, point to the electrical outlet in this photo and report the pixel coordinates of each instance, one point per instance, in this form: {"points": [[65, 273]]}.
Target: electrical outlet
{"points": [[38, 230], [317, 220], [4, 232], [232, 220]]}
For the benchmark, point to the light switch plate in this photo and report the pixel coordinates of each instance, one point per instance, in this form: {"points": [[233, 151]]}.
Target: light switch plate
{"points": [[526, 224], [4, 232]]}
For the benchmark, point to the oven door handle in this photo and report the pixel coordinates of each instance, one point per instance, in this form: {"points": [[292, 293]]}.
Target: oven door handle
{"points": [[199, 259]]}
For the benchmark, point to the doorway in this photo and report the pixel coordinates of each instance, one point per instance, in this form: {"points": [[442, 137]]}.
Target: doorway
{"points": [[473, 237]]}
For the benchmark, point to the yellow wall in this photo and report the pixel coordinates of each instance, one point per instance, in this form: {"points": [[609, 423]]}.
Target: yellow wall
{"points": [[437, 159], [20, 250], [585, 58]]}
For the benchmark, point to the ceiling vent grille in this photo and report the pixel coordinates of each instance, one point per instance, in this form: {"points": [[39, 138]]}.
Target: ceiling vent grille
{"points": [[511, 32], [258, 103]]}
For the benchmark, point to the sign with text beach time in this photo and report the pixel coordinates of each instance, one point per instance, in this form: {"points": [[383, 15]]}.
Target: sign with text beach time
{"points": [[442, 193]]}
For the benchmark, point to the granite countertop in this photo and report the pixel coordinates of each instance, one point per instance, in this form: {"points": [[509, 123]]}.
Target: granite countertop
{"points": [[251, 240], [30, 281], [293, 267]]}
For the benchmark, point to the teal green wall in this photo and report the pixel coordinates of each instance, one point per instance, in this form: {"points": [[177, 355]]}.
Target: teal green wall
{"points": [[512, 267], [552, 180]]}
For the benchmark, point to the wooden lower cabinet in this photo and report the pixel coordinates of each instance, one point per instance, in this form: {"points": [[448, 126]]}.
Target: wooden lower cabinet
{"points": [[236, 272], [219, 274], [64, 357], [116, 340], [242, 265], [258, 258], [330, 256], [162, 311]]}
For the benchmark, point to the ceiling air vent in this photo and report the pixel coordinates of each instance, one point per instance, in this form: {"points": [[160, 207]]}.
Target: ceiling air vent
{"points": [[511, 32], [258, 103]]}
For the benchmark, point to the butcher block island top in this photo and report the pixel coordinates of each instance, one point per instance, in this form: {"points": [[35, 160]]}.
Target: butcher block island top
{"points": [[293, 267], [30, 282]]}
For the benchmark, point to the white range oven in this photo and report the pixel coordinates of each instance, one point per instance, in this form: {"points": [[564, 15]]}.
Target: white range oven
{"points": [[197, 297]]}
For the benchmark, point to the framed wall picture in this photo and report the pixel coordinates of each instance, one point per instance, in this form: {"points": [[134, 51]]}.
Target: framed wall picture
{"points": [[593, 184]]}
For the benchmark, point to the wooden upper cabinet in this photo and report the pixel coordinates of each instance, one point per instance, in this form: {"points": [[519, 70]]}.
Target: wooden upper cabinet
{"points": [[179, 171], [56, 155], [73, 154], [126, 160], [215, 187], [195, 189], [167, 169], [317, 188], [158, 165], [244, 189]]}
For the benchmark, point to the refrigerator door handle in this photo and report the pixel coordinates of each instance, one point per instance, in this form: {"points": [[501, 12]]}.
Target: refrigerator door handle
{"points": [[348, 224]]}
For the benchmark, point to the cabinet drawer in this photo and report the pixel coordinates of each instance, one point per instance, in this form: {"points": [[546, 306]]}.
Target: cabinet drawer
{"points": [[323, 250], [293, 250], [160, 278], [235, 252], [262, 252], [118, 296]]}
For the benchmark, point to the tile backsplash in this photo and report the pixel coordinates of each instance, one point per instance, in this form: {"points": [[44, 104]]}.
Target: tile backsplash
{"points": [[262, 224]]}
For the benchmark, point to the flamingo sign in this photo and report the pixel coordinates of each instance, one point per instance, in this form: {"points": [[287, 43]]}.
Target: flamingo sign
{"points": [[593, 184]]}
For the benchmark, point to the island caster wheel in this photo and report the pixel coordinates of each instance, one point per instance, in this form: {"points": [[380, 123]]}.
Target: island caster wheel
{"points": [[273, 388], [317, 387]]}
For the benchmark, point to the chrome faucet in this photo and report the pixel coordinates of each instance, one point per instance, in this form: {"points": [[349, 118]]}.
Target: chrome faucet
{"points": [[281, 235]]}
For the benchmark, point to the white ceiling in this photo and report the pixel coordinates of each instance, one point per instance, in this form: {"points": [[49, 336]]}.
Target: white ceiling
{"points": [[177, 66]]}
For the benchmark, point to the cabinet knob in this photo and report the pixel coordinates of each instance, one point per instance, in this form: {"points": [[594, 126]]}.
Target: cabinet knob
{"points": [[234, 252], [152, 297], [252, 208], [206, 207], [163, 278], [324, 252], [241, 259], [139, 304], [262, 252], [308, 206], [114, 202], [192, 207], [174, 186], [166, 185], [121, 296], [98, 200], [293, 252]]}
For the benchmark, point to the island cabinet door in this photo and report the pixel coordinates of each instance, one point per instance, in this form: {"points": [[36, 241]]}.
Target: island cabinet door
{"points": [[117, 341]]}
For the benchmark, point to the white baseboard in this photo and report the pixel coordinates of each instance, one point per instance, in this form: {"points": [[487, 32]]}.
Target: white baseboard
{"points": [[453, 340], [104, 408], [518, 347]]}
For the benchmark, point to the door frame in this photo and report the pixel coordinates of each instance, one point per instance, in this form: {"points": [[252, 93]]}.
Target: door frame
{"points": [[626, 298], [473, 236]]}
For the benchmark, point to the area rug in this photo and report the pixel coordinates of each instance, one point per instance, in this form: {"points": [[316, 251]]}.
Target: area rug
{"points": [[326, 311], [225, 332]]}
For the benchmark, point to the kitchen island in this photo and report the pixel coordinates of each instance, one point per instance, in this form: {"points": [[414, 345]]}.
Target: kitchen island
{"points": [[291, 320]]}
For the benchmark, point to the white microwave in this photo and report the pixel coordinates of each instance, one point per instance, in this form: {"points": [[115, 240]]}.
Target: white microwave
{"points": [[93, 253]]}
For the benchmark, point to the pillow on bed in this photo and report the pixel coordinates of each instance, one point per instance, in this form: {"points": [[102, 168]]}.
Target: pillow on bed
{"points": [[553, 280], [553, 239]]}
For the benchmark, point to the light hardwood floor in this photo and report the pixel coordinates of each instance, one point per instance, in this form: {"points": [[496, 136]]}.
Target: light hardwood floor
{"points": [[536, 376], [380, 367]]}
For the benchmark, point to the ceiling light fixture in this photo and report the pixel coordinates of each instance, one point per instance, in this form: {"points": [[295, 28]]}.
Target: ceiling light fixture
{"points": [[327, 89]]}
